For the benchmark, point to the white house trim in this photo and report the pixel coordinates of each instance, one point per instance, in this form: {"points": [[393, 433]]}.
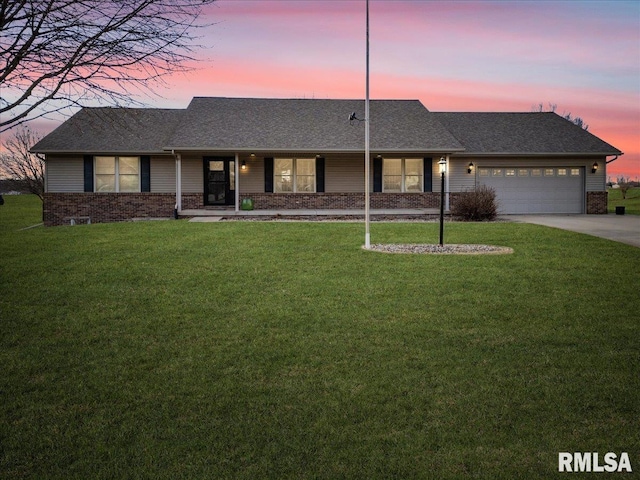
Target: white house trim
{"points": [[178, 182]]}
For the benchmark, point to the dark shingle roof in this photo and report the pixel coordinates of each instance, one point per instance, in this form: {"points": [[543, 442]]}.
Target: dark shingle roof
{"points": [[521, 133], [308, 124], [253, 124], [112, 130]]}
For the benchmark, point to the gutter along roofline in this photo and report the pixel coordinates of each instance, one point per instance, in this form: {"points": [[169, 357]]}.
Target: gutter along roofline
{"points": [[536, 154], [101, 152], [310, 149]]}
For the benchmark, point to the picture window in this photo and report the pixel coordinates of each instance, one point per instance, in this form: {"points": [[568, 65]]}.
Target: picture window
{"points": [[403, 174], [294, 175], [117, 174]]}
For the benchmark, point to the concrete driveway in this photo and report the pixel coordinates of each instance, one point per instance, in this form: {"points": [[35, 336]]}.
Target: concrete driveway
{"points": [[619, 228]]}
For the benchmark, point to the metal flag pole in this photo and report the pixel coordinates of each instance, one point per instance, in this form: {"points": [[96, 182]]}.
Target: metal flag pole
{"points": [[367, 235]]}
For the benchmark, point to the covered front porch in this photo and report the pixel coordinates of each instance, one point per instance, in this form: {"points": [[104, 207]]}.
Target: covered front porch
{"points": [[332, 184]]}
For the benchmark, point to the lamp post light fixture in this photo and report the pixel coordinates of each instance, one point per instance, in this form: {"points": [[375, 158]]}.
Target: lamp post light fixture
{"points": [[443, 169]]}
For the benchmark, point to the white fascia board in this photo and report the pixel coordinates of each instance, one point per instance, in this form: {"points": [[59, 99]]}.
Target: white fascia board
{"points": [[536, 154], [100, 152], [311, 149]]}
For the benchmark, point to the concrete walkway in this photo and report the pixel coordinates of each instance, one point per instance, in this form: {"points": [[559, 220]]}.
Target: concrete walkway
{"points": [[619, 228], [307, 212]]}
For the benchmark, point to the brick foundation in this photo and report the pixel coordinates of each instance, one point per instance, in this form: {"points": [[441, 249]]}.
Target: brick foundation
{"points": [[60, 208], [342, 201], [597, 202], [192, 201]]}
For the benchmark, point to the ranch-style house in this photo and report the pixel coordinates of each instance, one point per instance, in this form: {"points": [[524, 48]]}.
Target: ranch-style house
{"points": [[221, 154]]}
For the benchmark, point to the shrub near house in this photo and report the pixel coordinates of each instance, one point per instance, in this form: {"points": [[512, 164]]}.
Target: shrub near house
{"points": [[476, 205]]}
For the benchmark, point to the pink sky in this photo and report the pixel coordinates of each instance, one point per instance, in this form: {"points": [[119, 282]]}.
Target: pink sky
{"points": [[583, 56]]}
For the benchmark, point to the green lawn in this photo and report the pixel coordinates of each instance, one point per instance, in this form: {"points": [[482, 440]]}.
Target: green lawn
{"points": [[631, 203], [283, 350]]}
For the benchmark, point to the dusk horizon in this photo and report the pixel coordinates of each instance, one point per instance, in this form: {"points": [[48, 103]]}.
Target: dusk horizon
{"points": [[583, 57]]}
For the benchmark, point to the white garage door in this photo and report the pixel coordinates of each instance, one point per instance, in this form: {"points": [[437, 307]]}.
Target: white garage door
{"points": [[536, 190]]}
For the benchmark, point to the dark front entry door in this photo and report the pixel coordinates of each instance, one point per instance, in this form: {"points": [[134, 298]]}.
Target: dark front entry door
{"points": [[219, 181]]}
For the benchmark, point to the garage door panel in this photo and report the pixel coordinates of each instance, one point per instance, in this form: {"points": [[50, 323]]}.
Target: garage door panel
{"points": [[523, 192]]}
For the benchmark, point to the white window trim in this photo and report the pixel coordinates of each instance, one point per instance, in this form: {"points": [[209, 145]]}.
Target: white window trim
{"points": [[117, 173], [403, 188], [294, 174]]}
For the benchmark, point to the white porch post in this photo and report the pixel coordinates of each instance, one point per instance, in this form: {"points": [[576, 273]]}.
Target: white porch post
{"points": [[237, 186], [446, 186], [178, 183]]}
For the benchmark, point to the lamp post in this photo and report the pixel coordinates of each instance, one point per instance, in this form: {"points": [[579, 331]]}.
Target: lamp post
{"points": [[443, 169]]}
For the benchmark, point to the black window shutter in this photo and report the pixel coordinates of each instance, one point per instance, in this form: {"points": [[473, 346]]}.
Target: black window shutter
{"points": [[319, 175], [428, 174], [268, 175], [145, 173], [88, 173], [377, 174]]}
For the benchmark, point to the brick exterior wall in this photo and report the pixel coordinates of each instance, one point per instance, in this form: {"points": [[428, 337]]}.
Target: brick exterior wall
{"points": [[192, 201], [60, 208], [343, 201], [597, 202]]}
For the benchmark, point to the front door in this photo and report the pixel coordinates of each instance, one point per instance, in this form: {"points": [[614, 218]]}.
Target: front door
{"points": [[219, 181]]}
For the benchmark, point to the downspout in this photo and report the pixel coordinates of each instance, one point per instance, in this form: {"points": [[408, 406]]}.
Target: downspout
{"points": [[46, 175], [178, 206], [607, 162]]}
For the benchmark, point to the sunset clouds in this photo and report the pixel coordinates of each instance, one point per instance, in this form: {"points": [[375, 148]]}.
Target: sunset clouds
{"points": [[453, 56], [583, 56]]}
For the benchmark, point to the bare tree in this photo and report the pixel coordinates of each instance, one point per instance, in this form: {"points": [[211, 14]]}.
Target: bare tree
{"points": [[60, 53], [624, 184], [20, 165], [552, 107]]}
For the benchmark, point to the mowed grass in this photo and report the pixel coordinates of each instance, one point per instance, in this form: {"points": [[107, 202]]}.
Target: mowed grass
{"points": [[283, 350], [19, 211], [631, 202]]}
